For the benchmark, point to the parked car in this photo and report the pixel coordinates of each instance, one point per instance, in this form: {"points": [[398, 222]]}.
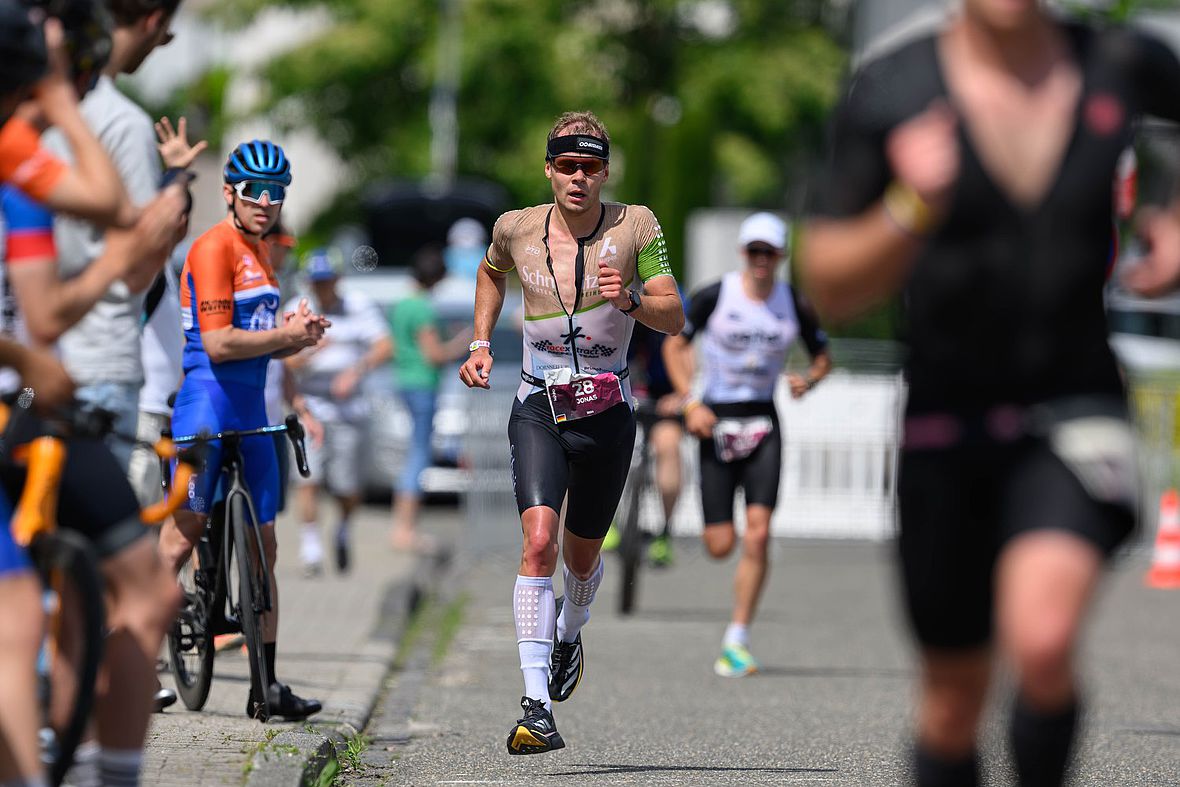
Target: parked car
{"points": [[389, 434]]}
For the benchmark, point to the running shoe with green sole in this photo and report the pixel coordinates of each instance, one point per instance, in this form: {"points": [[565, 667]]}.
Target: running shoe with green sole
{"points": [[659, 552], [735, 662]]}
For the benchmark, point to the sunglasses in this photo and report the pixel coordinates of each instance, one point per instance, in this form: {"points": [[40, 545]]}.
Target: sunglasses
{"points": [[762, 251], [252, 191], [568, 165]]}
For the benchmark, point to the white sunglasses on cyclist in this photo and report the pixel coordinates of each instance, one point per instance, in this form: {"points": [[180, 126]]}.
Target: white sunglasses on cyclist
{"points": [[253, 191]]}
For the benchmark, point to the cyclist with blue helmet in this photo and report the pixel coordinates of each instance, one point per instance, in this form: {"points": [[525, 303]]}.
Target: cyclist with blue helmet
{"points": [[229, 299]]}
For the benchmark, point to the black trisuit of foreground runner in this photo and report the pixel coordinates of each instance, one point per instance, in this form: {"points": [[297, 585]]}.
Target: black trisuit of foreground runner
{"points": [[973, 168]]}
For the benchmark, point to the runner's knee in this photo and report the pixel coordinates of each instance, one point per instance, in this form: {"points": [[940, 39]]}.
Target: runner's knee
{"points": [[539, 525], [720, 539]]}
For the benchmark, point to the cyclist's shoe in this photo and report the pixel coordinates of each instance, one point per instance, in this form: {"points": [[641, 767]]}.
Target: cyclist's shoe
{"points": [[735, 662], [162, 699], [342, 550], [612, 540], [565, 665], [536, 733], [659, 552], [282, 703]]}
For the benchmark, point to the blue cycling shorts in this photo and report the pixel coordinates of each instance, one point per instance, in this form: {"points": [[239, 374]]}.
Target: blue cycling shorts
{"points": [[13, 557], [217, 406]]}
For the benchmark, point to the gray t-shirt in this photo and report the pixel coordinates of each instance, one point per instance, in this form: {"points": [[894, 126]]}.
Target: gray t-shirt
{"points": [[105, 344]]}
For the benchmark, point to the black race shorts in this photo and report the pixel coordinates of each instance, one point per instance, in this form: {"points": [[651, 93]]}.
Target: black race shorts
{"points": [[960, 506], [95, 497], [757, 474], [589, 458]]}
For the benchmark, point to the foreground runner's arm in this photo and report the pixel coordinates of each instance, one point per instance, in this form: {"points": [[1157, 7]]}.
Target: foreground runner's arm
{"points": [[52, 305], [490, 286], [853, 263], [1158, 272]]}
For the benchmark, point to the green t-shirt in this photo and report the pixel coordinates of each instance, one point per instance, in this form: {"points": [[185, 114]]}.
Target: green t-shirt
{"points": [[412, 369]]}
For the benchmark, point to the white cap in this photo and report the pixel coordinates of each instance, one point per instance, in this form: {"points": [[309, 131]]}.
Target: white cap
{"points": [[467, 233], [765, 228]]}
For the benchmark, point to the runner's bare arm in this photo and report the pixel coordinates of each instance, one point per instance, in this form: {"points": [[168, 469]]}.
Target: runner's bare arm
{"points": [[660, 308], [490, 287]]}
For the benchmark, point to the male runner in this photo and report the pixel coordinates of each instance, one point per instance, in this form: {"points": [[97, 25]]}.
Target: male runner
{"points": [[1018, 472], [588, 269], [748, 322], [230, 299]]}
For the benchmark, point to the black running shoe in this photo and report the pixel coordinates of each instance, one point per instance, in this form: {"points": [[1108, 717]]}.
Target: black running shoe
{"points": [[565, 665], [536, 733], [282, 702], [342, 551]]}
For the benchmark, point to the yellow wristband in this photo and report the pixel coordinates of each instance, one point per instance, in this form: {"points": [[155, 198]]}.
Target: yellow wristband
{"points": [[689, 405], [906, 209]]}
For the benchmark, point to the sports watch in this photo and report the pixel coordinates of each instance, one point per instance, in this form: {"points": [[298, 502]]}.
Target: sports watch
{"points": [[635, 301]]}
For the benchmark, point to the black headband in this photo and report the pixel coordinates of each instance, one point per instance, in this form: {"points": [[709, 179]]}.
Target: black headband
{"points": [[578, 143]]}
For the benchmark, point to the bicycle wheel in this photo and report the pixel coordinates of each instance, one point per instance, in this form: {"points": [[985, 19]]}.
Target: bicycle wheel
{"points": [[69, 568], [190, 640], [252, 592], [631, 540]]}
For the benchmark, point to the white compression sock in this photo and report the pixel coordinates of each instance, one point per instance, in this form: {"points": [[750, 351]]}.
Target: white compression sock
{"points": [[575, 611], [737, 634], [533, 609]]}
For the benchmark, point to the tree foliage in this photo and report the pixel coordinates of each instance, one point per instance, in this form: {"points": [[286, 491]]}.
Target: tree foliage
{"points": [[709, 102]]}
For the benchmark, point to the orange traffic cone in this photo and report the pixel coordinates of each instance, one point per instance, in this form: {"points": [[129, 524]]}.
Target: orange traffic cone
{"points": [[1165, 564]]}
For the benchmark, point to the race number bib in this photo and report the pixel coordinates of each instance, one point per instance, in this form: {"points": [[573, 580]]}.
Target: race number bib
{"points": [[737, 438], [573, 396]]}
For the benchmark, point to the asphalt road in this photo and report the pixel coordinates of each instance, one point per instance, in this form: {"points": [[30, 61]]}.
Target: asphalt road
{"points": [[832, 704]]}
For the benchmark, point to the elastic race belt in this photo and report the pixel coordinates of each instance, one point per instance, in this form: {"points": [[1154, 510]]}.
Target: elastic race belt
{"points": [[540, 383]]}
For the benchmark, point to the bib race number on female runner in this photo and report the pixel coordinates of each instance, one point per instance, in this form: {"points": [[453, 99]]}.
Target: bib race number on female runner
{"points": [[574, 396]]}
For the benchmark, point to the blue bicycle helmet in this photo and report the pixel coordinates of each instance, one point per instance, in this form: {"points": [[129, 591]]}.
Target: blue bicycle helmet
{"points": [[258, 159]]}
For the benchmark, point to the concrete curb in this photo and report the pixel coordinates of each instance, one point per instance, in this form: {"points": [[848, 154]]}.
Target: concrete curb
{"points": [[306, 756]]}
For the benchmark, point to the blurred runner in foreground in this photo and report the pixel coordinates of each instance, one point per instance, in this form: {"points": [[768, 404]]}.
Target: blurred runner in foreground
{"points": [[972, 169]]}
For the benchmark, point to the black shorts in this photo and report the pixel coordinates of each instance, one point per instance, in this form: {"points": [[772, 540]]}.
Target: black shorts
{"points": [[960, 506], [757, 474], [588, 458], [95, 497]]}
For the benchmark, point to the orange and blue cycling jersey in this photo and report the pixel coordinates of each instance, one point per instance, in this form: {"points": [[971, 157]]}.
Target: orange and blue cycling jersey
{"points": [[24, 163], [226, 281]]}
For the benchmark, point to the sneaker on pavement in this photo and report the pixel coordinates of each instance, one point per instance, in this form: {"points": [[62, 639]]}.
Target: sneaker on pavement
{"points": [[162, 699], [536, 732], [659, 552], [311, 552], [735, 662], [612, 540], [565, 665]]}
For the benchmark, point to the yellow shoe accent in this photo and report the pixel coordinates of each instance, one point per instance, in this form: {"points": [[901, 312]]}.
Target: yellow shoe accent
{"points": [[525, 738]]}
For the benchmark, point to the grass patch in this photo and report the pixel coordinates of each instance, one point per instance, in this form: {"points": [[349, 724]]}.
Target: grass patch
{"points": [[449, 623]]}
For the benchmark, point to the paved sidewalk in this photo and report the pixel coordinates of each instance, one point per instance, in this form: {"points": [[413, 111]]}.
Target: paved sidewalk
{"points": [[337, 639]]}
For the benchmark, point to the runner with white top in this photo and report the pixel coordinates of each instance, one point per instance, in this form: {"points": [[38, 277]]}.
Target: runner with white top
{"points": [[587, 270], [748, 322]]}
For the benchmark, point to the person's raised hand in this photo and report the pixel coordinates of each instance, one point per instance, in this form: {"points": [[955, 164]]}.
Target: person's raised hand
{"points": [[174, 147], [924, 154]]}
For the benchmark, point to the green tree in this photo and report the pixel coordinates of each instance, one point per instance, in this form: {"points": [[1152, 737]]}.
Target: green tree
{"points": [[709, 102]]}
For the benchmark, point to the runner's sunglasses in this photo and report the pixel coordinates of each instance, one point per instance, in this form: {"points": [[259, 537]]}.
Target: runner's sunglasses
{"points": [[252, 191], [568, 165]]}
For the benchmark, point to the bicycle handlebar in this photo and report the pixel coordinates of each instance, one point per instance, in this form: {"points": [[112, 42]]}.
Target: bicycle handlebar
{"points": [[291, 426]]}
